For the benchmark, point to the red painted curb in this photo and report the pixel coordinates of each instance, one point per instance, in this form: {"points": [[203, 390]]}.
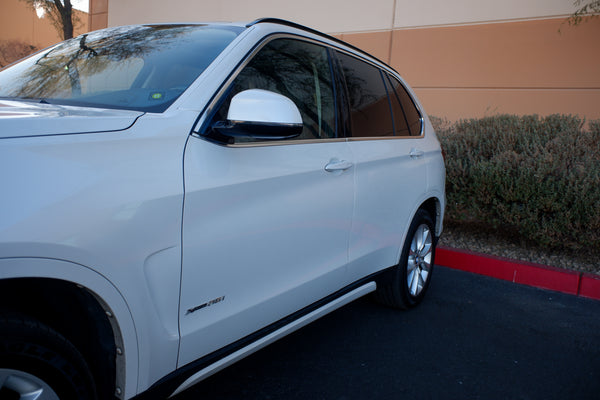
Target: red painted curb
{"points": [[590, 286], [537, 275]]}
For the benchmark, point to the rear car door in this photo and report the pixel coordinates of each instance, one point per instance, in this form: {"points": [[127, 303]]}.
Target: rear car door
{"points": [[386, 141], [266, 224]]}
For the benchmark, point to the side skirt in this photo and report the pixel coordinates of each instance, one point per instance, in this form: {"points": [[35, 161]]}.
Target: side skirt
{"points": [[192, 373], [276, 335]]}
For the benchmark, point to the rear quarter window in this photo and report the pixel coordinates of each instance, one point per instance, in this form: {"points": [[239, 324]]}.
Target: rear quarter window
{"points": [[407, 118]]}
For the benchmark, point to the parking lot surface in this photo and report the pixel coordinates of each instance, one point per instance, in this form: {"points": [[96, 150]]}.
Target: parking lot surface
{"points": [[473, 337]]}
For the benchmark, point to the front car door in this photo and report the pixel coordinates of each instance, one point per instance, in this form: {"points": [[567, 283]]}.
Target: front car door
{"points": [[265, 225]]}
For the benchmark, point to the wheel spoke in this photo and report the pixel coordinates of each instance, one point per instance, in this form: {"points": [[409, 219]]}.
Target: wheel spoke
{"points": [[426, 249], [427, 259], [414, 283], [411, 267], [418, 239], [414, 249], [27, 386], [427, 242], [419, 260]]}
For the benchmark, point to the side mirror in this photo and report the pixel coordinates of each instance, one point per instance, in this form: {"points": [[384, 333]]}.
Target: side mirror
{"points": [[261, 114]]}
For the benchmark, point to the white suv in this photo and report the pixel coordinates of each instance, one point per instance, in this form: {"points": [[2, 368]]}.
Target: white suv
{"points": [[175, 197]]}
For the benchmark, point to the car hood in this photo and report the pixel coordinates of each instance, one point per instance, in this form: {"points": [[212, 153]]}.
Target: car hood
{"points": [[21, 119]]}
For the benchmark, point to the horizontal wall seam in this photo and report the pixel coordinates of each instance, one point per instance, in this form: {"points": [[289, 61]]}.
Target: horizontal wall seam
{"points": [[570, 89], [486, 22], [459, 24]]}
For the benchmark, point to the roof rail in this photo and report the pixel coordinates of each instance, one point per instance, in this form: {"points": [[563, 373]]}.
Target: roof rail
{"points": [[316, 32]]}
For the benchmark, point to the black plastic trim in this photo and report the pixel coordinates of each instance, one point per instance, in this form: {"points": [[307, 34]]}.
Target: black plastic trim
{"points": [[168, 384], [316, 32], [258, 130]]}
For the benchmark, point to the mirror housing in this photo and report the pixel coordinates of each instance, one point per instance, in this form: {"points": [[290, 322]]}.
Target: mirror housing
{"points": [[261, 114]]}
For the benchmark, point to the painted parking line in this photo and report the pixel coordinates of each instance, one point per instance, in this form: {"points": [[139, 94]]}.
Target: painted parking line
{"points": [[526, 273]]}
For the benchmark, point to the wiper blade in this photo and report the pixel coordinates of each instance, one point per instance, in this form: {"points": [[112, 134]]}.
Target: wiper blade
{"points": [[84, 47], [27, 99]]}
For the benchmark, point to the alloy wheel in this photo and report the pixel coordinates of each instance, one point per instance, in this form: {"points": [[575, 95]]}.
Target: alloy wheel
{"points": [[419, 260]]}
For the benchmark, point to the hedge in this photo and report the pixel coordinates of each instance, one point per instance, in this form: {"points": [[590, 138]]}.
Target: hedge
{"points": [[538, 177]]}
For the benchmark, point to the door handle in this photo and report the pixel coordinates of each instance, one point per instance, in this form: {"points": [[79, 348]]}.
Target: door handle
{"points": [[415, 153], [338, 166]]}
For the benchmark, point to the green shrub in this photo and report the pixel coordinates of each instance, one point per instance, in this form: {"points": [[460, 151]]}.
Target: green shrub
{"points": [[539, 177]]}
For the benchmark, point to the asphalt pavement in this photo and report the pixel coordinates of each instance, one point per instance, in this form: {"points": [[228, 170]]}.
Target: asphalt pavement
{"points": [[473, 337]]}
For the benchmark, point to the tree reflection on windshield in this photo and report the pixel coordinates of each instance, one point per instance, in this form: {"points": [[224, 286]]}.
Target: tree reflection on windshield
{"points": [[142, 67]]}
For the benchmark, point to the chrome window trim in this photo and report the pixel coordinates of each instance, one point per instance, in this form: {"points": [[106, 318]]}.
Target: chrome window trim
{"points": [[362, 139], [199, 126], [285, 142], [288, 142]]}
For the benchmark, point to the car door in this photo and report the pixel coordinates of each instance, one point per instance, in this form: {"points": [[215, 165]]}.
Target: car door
{"points": [[266, 224], [390, 164]]}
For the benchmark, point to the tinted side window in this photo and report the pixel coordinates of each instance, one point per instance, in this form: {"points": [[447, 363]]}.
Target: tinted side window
{"points": [[369, 105], [407, 119], [298, 70]]}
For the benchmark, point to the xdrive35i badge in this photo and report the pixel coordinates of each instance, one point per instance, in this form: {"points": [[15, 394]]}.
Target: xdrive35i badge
{"points": [[208, 303]]}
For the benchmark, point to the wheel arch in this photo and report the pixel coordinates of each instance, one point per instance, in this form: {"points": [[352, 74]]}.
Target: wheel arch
{"points": [[82, 306], [434, 207]]}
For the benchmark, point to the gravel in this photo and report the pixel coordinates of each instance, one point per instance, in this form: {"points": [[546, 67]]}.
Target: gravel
{"points": [[481, 240]]}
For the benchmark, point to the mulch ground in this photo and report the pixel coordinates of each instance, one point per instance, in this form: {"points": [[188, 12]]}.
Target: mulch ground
{"points": [[497, 243]]}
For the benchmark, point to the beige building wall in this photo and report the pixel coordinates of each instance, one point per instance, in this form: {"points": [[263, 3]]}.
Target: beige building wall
{"points": [[98, 15], [19, 22], [464, 58], [410, 13], [516, 67], [337, 16], [325, 15]]}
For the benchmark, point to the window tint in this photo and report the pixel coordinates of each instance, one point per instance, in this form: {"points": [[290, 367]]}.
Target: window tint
{"points": [[369, 105], [298, 70], [407, 119]]}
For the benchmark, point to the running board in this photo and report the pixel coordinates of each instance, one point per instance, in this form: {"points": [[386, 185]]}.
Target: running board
{"points": [[275, 335]]}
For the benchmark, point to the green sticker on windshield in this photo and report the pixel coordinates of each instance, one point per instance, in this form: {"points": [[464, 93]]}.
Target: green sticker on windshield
{"points": [[156, 96]]}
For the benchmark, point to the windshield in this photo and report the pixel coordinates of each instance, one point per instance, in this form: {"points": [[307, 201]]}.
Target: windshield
{"points": [[142, 68]]}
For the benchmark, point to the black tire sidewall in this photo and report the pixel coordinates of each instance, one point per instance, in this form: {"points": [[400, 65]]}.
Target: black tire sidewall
{"points": [[29, 346]]}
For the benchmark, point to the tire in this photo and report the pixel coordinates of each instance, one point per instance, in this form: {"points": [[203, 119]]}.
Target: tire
{"points": [[406, 284], [37, 362]]}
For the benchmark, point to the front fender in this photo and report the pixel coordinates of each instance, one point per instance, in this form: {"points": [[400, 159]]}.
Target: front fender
{"points": [[98, 285]]}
